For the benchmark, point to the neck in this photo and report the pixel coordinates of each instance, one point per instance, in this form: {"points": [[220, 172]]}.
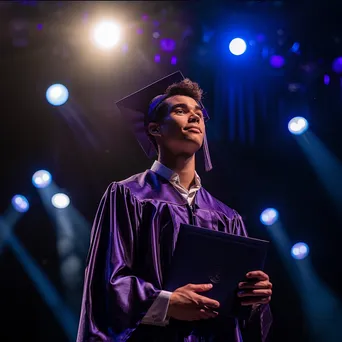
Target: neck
{"points": [[184, 166]]}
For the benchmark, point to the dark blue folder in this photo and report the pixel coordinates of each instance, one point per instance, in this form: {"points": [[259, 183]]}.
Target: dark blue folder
{"points": [[204, 256]]}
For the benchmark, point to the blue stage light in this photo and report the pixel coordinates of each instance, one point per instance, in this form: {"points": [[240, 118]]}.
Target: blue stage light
{"points": [[41, 179], [20, 203], [269, 216], [300, 250], [60, 201], [57, 94], [298, 125], [237, 46]]}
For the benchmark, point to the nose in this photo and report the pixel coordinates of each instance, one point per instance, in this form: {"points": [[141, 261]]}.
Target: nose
{"points": [[194, 118]]}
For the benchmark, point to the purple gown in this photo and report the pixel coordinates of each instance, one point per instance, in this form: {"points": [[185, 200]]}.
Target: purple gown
{"points": [[132, 241]]}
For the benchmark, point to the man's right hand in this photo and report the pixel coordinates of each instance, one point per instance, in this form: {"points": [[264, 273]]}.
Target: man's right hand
{"points": [[186, 305]]}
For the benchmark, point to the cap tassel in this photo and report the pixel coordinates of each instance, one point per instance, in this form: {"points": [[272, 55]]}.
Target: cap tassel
{"points": [[207, 160]]}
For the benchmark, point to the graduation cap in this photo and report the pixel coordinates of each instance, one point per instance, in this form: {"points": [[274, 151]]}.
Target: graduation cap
{"points": [[140, 109]]}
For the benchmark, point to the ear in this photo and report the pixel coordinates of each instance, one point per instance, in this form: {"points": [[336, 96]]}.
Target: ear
{"points": [[154, 129]]}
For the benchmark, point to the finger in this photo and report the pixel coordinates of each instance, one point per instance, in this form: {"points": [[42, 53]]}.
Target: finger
{"points": [[199, 287], [211, 303], [255, 293], [252, 285], [206, 314], [264, 300], [258, 275]]}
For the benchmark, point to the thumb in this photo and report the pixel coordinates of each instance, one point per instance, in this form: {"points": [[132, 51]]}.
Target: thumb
{"points": [[200, 287]]}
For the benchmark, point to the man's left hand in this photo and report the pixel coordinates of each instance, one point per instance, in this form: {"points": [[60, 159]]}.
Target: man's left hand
{"points": [[257, 289]]}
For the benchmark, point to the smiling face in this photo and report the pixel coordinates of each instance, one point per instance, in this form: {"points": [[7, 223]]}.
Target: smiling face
{"points": [[182, 129]]}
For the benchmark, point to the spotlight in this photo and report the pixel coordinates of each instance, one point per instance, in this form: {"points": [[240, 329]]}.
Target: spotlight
{"points": [[20, 203], [237, 46], [300, 250], [60, 201], [298, 125], [269, 216], [41, 179], [57, 94], [106, 35]]}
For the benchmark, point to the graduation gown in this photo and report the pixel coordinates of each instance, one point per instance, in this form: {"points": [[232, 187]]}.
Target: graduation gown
{"points": [[132, 242]]}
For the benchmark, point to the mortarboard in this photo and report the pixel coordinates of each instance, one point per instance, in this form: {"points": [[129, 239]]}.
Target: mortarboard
{"points": [[140, 107]]}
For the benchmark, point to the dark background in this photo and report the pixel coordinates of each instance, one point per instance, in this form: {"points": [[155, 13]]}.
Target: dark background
{"points": [[254, 168]]}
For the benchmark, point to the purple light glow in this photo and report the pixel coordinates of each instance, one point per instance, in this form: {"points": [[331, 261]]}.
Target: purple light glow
{"points": [[144, 17], [39, 27], [167, 44], [326, 79], [174, 60], [140, 31], [157, 58], [337, 65], [277, 61]]}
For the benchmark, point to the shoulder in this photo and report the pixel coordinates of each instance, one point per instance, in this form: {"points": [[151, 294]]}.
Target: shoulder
{"points": [[214, 204], [138, 185]]}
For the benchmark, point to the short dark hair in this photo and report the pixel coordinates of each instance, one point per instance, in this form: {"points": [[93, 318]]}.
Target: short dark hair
{"points": [[186, 88]]}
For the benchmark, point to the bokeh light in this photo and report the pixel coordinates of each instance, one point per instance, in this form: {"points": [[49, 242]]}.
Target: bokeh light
{"points": [[298, 125], [300, 250], [337, 65], [41, 179], [237, 46], [106, 35], [60, 201], [269, 216], [57, 94], [167, 44], [20, 203], [277, 61]]}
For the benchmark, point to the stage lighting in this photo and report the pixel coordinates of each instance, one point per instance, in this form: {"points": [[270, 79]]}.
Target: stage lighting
{"points": [[41, 179], [298, 125], [106, 35], [269, 216], [300, 250], [20, 203], [57, 94], [60, 201], [237, 46]]}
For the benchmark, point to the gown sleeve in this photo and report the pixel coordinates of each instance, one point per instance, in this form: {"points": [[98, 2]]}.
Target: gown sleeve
{"points": [[257, 327], [114, 299]]}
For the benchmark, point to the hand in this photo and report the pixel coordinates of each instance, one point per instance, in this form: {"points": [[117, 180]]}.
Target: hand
{"points": [[186, 305], [257, 289]]}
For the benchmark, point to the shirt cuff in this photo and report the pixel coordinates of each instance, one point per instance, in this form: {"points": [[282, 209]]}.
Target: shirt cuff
{"points": [[157, 313]]}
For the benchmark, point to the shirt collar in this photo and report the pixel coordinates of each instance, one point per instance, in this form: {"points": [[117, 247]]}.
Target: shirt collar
{"points": [[170, 175]]}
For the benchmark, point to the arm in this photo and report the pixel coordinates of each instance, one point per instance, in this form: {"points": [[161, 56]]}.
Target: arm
{"points": [[257, 327], [115, 300], [157, 313]]}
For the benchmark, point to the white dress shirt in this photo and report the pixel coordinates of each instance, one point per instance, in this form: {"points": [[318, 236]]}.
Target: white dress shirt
{"points": [[157, 313]]}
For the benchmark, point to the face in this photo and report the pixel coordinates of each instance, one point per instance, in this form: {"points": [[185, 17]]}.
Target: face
{"points": [[182, 129]]}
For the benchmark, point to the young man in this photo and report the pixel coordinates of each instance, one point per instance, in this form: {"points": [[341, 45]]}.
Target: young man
{"points": [[136, 227]]}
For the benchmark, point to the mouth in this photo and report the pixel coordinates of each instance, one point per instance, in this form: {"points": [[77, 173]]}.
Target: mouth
{"points": [[193, 130]]}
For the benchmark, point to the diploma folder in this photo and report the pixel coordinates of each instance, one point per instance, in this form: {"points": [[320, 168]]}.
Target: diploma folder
{"points": [[203, 256]]}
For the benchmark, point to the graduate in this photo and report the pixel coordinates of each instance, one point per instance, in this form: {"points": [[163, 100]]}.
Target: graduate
{"points": [[135, 231]]}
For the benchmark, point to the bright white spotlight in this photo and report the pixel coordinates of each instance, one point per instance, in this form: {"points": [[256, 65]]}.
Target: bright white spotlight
{"points": [[300, 250], [269, 216], [60, 201], [41, 179], [298, 125], [57, 94], [20, 203], [237, 46], [106, 34]]}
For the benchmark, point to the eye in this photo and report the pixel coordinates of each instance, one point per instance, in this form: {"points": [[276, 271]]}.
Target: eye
{"points": [[179, 111]]}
